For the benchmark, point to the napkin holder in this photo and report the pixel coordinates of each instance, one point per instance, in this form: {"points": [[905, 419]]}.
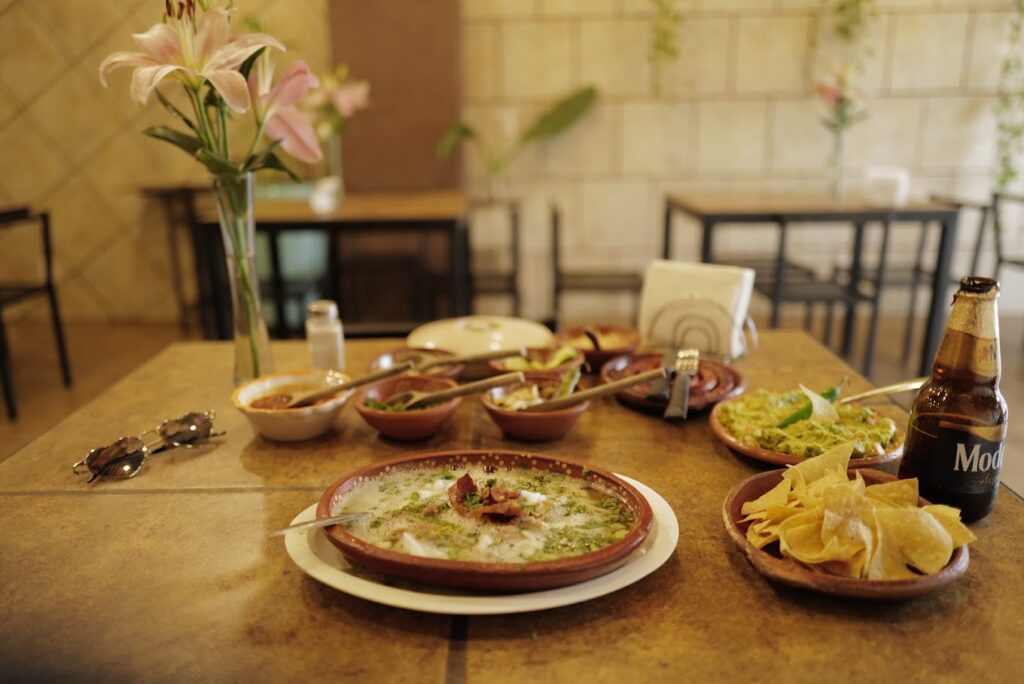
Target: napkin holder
{"points": [[697, 305], [697, 322]]}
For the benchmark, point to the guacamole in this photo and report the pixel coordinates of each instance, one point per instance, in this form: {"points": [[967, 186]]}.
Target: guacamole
{"points": [[752, 419]]}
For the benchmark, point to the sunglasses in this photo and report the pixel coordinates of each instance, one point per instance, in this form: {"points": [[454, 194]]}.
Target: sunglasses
{"points": [[123, 458]]}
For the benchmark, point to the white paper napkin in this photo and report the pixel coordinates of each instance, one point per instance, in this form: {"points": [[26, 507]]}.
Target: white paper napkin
{"points": [[701, 305]]}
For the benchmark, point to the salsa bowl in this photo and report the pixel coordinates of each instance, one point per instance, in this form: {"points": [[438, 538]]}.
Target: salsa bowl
{"points": [[506, 577], [294, 424], [538, 355], [529, 426], [615, 340], [406, 425]]}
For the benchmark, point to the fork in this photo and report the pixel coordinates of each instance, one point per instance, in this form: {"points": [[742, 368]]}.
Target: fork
{"points": [[687, 362]]}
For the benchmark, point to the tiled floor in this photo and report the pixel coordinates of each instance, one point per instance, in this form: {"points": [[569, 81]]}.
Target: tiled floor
{"points": [[101, 354]]}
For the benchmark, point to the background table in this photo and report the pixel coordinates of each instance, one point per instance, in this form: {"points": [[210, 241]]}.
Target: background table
{"points": [[170, 576], [712, 210], [404, 222]]}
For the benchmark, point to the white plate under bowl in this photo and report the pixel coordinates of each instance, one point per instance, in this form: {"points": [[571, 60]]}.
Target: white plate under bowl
{"points": [[319, 559]]}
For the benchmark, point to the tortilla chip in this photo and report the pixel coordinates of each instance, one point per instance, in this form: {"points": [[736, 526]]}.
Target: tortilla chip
{"points": [[836, 524], [949, 518], [835, 460], [895, 493], [776, 496], [921, 539]]}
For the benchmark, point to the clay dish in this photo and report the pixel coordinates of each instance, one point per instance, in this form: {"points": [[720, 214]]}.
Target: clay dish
{"points": [[397, 356], [492, 577], [796, 574], [407, 425], [713, 382], [540, 354], [576, 338], [777, 458], [295, 424], [529, 426]]}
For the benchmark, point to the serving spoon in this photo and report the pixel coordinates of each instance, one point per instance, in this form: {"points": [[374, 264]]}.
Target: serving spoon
{"points": [[905, 386], [599, 391], [319, 522], [411, 399], [325, 393]]}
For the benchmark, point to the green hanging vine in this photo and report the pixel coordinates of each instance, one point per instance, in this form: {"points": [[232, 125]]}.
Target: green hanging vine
{"points": [[851, 19], [1010, 103], [664, 37]]}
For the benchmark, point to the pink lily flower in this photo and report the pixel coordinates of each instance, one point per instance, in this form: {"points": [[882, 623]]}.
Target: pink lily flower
{"points": [[349, 97], [193, 51], [275, 106]]}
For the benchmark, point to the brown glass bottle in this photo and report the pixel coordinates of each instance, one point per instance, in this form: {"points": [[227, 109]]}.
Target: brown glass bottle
{"points": [[957, 432]]}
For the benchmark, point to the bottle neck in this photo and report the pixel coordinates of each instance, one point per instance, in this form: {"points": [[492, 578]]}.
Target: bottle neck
{"points": [[970, 346]]}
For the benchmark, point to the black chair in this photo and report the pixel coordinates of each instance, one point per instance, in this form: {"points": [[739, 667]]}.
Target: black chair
{"points": [[502, 283], [14, 292], [790, 282], [583, 280], [1002, 259], [918, 273]]}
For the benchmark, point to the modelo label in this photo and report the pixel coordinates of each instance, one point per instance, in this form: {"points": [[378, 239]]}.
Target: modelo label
{"points": [[964, 462]]}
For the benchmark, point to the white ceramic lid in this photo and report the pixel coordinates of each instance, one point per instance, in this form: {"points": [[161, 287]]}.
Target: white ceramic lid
{"points": [[478, 334]]}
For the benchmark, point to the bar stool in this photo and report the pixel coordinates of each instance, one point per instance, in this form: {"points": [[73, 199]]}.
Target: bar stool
{"points": [[12, 293]]}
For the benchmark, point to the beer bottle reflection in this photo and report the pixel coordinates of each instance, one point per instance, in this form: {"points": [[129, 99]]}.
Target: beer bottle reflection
{"points": [[955, 441]]}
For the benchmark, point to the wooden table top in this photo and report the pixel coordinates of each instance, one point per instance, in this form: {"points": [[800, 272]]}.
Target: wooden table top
{"points": [[756, 204], [170, 576], [358, 207]]}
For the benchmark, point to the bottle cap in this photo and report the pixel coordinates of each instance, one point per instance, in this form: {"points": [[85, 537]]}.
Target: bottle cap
{"points": [[323, 308], [978, 284]]}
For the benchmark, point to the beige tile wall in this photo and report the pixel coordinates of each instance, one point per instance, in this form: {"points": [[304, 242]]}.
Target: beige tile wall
{"points": [[70, 146], [735, 110]]}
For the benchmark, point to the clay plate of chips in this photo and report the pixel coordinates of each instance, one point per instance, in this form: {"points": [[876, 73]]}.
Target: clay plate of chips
{"points": [[779, 458], [713, 382], [859, 534]]}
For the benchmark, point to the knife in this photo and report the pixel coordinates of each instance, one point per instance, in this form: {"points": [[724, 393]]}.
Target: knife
{"points": [[659, 388]]}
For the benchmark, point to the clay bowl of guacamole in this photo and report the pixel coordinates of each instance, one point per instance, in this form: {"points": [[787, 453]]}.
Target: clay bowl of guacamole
{"points": [[749, 425]]}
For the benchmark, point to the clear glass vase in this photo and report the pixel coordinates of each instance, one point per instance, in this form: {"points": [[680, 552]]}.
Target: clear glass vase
{"points": [[252, 343], [837, 160]]}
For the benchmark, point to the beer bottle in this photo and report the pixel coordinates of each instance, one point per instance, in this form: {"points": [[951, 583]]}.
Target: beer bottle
{"points": [[958, 424]]}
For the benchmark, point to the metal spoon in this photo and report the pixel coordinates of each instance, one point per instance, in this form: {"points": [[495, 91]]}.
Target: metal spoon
{"points": [[317, 395], [412, 398], [319, 522], [599, 391], [905, 386]]}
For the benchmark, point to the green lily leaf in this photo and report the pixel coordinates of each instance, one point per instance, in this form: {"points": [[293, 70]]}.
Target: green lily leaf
{"points": [[562, 114], [218, 165], [190, 143], [453, 135], [169, 106], [270, 160]]}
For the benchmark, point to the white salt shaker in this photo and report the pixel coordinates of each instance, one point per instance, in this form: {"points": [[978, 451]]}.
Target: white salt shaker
{"points": [[325, 336]]}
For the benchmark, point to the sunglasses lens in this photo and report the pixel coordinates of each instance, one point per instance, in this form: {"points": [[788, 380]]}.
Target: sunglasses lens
{"points": [[189, 429], [122, 459]]}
